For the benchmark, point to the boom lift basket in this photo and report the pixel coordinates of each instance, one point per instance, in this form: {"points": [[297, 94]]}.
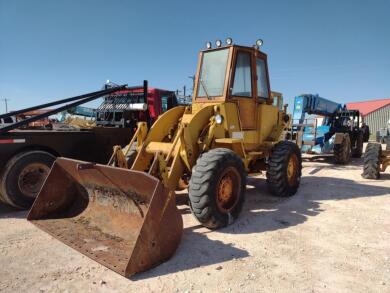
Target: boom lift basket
{"points": [[126, 220]]}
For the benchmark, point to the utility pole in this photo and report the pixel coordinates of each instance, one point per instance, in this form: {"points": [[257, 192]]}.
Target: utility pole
{"points": [[193, 82], [6, 104]]}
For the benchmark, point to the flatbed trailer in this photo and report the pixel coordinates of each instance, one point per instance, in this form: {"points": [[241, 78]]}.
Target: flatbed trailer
{"points": [[27, 155]]}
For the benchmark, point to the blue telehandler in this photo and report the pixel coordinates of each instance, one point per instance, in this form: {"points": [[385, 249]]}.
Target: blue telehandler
{"points": [[338, 133]]}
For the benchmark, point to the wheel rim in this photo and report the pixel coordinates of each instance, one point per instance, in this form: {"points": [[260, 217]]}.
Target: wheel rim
{"points": [[31, 179], [228, 190], [292, 169]]}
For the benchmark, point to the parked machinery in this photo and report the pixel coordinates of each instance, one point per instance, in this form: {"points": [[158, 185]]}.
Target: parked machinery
{"points": [[339, 131], [126, 218], [81, 111], [383, 134], [376, 160]]}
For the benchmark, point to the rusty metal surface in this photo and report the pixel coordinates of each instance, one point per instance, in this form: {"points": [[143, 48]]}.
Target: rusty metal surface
{"points": [[126, 220]]}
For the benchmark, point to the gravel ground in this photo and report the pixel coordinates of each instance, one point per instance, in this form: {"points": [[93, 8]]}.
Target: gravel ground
{"points": [[332, 236]]}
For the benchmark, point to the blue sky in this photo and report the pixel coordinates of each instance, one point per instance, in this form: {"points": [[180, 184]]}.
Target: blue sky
{"points": [[54, 49]]}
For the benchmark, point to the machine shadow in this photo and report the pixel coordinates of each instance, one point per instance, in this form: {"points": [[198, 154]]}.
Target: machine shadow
{"points": [[263, 212], [195, 250], [7, 212], [328, 159], [385, 176]]}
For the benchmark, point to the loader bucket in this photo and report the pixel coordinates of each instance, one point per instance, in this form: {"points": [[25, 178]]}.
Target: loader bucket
{"points": [[126, 220]]}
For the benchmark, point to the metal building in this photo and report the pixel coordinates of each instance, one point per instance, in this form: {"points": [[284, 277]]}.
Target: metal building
{"points": [[375, 113]]}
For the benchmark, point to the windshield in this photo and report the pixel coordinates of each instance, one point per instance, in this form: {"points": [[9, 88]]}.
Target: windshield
{"points": [[212, 74]]}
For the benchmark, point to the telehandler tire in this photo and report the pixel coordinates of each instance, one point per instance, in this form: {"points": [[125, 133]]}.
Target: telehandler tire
{"points": [[371, 168], [342, 151], [284, 169], [217, 188], [131, 155], [23, 176], [357, 150]]}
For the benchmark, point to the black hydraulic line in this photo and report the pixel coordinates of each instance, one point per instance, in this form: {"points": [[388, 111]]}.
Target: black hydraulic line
{"points": [[145, 83], [145, 91], [62, 101], [136, 87], [90, 97]]}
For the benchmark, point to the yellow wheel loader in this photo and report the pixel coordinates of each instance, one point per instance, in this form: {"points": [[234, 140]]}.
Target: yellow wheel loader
{"points": [[126, 218]]}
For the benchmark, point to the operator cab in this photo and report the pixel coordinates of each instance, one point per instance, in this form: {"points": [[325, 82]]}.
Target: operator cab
{"points": [[346, 120], [230, 72], [234, 73]]}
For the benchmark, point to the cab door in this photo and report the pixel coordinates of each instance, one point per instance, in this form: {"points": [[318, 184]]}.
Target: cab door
{"points": [[242, 90], [262, 79]]}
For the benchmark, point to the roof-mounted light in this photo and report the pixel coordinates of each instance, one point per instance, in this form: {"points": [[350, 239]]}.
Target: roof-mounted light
{"points": [[229, 41], [208, 45], [218, 43], [259, 43]]}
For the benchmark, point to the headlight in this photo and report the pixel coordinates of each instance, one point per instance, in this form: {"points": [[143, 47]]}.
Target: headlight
{"points": [[229, 41], [208, 45], [218, 119], [218, 43]]}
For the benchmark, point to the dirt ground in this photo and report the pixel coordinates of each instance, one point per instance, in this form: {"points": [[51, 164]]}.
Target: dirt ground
{"points": [[332, 236]]}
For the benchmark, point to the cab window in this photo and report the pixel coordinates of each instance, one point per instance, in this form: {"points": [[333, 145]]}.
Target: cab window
{"points": [[213, 73], [242, 85], [262, 83]]}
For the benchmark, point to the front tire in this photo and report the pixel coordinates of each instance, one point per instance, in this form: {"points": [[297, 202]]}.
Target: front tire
{"points": [[342, 151], [371, 168], [23, 177], [284, 169], [217, 188]]}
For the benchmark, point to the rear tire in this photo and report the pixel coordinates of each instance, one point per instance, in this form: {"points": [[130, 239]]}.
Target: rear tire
{"points": [[357, 150], [23, 177], [342, 151], [284, 169], [371, 168], [217, 188]]}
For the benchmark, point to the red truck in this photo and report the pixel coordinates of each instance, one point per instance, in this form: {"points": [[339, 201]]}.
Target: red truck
{"points": [[126, 107]]}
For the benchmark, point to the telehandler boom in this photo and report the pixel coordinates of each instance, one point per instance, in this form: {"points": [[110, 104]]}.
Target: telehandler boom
{"points": [[126, 218]]}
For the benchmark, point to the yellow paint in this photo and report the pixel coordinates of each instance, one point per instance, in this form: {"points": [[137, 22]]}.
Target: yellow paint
{"points": [[267, 119]]}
